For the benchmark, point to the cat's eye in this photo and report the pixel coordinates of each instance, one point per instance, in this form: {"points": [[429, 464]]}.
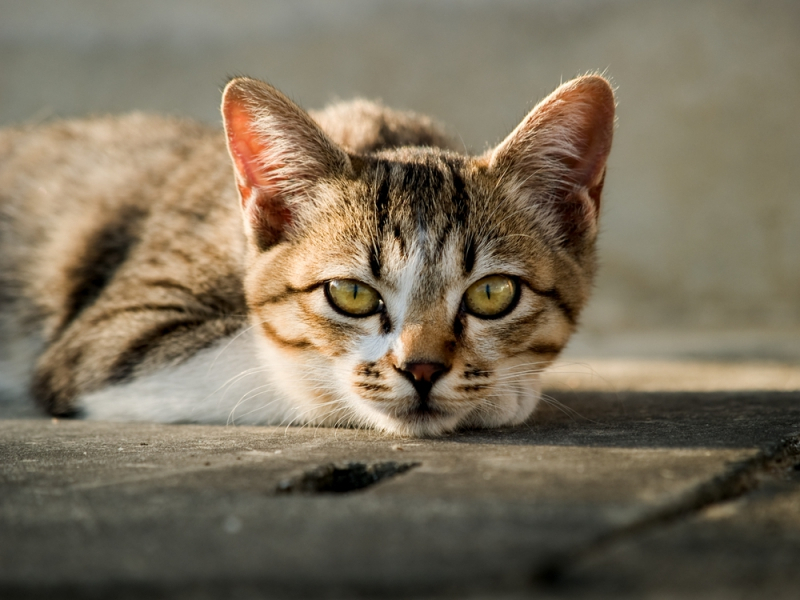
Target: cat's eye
{"points": [[491, 297], [353, 298]]}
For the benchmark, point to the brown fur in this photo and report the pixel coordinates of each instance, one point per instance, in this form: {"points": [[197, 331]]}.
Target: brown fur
{"points": [[123, 249]]}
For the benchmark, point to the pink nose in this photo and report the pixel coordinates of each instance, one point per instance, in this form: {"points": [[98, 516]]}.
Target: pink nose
{"points": [[424, 371]]}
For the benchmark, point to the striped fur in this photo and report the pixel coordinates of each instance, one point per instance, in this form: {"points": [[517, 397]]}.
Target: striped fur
{"points": [[160, 288]]}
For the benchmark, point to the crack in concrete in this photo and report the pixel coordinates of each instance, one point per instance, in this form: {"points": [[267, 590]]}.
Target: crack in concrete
{"points": [[340, 479], [743, 478]]}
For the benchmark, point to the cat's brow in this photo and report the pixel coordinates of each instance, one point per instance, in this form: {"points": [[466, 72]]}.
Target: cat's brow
{"points": [[287, 292]]}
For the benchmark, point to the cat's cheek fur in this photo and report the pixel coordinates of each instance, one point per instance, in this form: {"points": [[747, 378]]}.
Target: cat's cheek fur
{"points": [[308, 380], [512, 406]]}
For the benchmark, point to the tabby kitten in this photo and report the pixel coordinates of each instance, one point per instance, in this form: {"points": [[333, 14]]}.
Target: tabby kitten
{"points": [[356, 270]]}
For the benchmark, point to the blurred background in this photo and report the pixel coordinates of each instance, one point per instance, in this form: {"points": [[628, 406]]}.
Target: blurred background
{"points": [[700, 243]]}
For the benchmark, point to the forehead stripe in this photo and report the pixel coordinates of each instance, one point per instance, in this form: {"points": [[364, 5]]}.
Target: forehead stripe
{"points": [[469, 255], [382, 196], [375, 259], [460, 196]]}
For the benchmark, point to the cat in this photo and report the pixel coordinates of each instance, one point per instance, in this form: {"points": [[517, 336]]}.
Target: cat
{"points": [[354, 269]]}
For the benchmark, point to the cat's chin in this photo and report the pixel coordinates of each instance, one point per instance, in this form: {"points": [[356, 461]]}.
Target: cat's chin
{"points": [[432, 422], [419, 424], [428, 422]]}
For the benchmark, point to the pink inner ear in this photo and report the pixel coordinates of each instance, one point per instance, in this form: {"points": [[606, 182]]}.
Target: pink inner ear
{"points": [[567, 137], [246, 149], [591, 170], [256, 179], [597, 132], [583, 112]]}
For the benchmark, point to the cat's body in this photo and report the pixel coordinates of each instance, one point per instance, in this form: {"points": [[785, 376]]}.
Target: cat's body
{"points": [[130, 289]]}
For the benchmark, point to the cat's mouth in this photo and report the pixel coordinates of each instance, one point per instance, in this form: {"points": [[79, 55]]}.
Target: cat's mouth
{"points": [[422, 406], [423, 421], [422, 416], [423, 411], [413, 416]]}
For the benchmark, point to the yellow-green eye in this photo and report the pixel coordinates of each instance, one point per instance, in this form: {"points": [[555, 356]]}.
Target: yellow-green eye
{"points": [[491, 297], [352, 297]]}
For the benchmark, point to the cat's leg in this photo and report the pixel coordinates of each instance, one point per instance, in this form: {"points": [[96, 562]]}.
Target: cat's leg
{"points": [[228, 382], [114, 343]]}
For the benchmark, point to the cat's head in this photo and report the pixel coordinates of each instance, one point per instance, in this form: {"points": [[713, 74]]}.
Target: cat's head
{"points": [[416, 290]]}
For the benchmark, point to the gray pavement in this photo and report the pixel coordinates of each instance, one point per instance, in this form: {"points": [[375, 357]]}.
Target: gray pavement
{"points": [[626, 494]]}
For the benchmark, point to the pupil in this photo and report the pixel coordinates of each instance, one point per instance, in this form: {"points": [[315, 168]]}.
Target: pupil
{"points": [[488, 292], [355, 291]]}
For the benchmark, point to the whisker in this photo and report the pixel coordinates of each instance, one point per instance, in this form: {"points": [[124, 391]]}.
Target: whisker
{"points": [[232, 418], [233, 339], [569, 411], [312, 408]]}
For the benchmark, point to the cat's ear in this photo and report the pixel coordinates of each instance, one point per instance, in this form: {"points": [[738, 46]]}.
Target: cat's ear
{"points": [[556, 158], [279, 154]]}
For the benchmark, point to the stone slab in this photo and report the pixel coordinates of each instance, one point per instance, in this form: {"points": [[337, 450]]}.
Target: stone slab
{"points": [[138, 510], [746, 548]]}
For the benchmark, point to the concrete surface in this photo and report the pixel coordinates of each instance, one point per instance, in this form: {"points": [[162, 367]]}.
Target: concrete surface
{"points": [[624, 494], [656, 469], [701, 211], [746, 548]]}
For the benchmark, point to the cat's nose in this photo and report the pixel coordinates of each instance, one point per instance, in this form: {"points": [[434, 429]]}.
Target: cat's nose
{"points": [[423, 372], [422, 376]]}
